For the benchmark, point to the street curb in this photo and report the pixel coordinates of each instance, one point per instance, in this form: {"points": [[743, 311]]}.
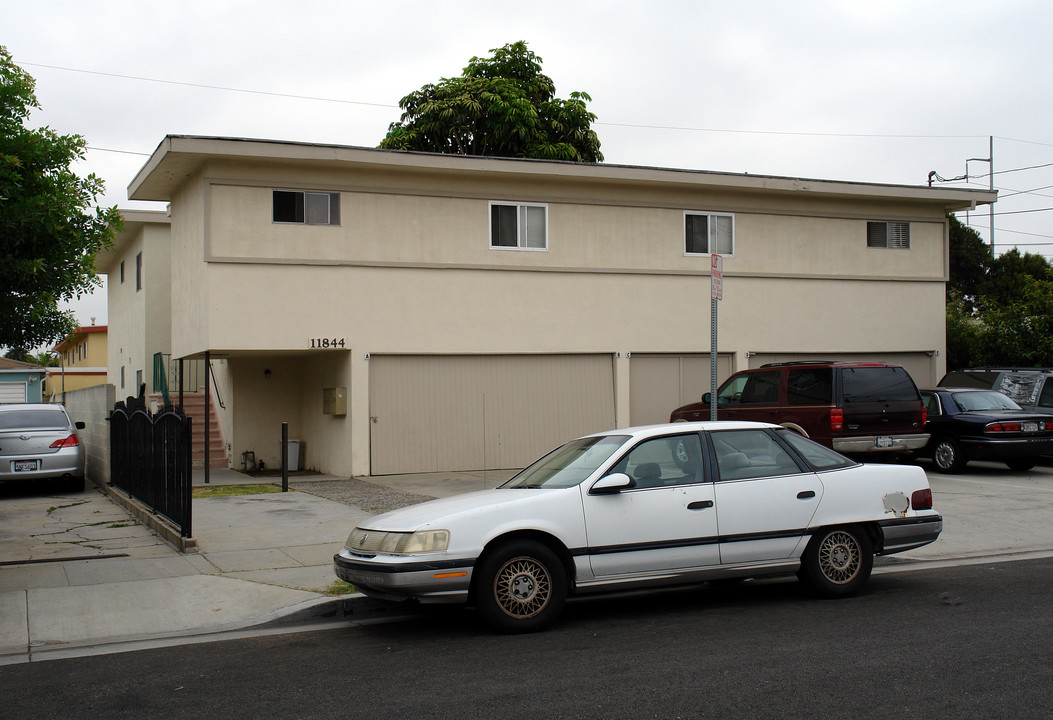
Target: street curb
{"points": [[350, 608], [149, 518]]}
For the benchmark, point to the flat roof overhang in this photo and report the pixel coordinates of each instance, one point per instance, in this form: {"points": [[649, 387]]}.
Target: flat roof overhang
{"points": [[179, 156]]}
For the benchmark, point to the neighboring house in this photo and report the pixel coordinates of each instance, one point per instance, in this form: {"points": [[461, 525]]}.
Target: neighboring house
{"points": [[82, 361], [411, 312], [21, 381]]}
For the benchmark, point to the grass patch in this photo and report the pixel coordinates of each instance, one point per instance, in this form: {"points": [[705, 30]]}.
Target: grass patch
{"points": [[340, 587], [232, 490]]}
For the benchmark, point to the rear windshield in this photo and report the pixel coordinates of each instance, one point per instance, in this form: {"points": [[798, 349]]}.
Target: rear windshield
{"points": [[35, 419], [877, 384], [984, 400]]}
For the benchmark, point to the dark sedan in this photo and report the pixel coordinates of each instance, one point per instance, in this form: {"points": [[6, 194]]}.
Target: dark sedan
{"points": [[969, 424]]}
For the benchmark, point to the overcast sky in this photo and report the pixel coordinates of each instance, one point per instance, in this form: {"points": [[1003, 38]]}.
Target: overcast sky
{"points": [[846, 90]]}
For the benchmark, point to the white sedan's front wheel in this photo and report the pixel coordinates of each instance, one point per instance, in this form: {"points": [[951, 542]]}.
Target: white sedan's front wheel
{"points": [[520, 587]]}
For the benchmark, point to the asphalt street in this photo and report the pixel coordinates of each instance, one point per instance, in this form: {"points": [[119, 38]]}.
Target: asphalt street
{"points": [[959, 642]]}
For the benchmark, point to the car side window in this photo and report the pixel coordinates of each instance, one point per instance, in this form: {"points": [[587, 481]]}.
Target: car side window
{"points": [[744, 454], [664, 461], [1045, 400], [932, 404], [731, 393], [761, 389]]}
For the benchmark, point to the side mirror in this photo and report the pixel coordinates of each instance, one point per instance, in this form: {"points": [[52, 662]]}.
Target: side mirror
{"points": [[79, 424], [707, 398], [612, 484]]}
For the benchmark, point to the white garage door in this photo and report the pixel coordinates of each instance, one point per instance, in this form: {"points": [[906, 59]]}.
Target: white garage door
{"points": [[12, 392], [661, 383], [919, 364], [433, 413]]}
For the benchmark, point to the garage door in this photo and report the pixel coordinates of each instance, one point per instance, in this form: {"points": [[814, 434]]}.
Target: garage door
{"points": [[12, 392], [482, 412], [661, 383], [919, 364]]}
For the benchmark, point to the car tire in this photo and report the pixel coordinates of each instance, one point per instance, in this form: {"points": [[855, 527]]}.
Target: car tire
{"points": [[520, 587], [837, 561], [1021, 464], [947, 455]]}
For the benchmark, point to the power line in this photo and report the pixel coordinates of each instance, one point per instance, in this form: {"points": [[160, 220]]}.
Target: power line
{"points": [[608, 124], [211, 87]]}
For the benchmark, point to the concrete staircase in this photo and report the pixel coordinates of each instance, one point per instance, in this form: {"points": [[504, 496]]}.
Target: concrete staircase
{"points": [[194, 406]]}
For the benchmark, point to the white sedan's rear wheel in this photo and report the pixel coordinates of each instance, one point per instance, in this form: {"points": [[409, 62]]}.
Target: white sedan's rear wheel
{"points": [[838, 561]]}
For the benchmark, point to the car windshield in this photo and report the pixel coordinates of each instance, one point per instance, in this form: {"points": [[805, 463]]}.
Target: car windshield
{"points": [[568, 465], [989, 400], [35, 419]]}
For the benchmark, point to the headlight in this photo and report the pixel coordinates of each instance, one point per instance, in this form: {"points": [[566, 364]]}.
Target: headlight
{"points": [[396, 543]]}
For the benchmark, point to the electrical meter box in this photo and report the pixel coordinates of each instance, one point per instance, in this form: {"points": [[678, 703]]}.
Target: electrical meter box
{"points": [[334, 401]]}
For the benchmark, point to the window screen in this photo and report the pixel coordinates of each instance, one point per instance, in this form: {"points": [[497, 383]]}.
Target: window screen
{"points": [[706, 234], [888, 235], [514, 225]]}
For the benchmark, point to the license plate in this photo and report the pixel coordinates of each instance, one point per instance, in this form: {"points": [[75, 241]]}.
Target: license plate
{"points": [[884, 441], [1030, 427], [25, 465]]}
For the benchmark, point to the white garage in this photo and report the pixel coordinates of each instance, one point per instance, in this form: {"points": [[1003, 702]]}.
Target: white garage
{"points": [[432, 413], [661, 383]]}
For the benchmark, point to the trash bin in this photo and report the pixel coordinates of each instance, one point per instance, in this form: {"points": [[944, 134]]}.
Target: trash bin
{"points": [[292, 456]]}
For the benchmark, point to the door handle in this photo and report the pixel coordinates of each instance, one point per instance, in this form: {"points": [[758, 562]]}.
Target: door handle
{"points": [[805, 494], [700, 505]]}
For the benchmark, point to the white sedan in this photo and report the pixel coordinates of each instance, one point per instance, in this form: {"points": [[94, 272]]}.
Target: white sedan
{"points": [[647, 506]]}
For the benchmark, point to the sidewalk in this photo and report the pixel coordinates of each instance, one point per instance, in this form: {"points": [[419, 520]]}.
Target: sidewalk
{"points": [[79, 575]]}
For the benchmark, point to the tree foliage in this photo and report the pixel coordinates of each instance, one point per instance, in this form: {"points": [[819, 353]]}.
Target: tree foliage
{"points": [[50, 225], [999, 309], [502, 105]]}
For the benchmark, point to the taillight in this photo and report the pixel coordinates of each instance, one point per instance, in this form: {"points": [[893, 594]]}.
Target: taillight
{"points": [[921, 499], [837, 420], [1001, 427], [924, 415], [70, 441]]}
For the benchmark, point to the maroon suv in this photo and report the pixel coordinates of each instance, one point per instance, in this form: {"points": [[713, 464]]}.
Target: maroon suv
{"points": [[853, 407]]}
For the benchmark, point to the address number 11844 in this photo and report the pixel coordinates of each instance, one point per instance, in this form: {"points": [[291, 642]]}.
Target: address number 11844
{"points": [[327, 343]]}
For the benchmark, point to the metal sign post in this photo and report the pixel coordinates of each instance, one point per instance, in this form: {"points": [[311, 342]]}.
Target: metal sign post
{"points": [[716, 281]]}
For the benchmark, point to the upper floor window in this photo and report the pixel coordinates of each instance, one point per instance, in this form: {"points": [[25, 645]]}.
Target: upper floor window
{"points": [[139, 272], [518, 225], [307, 208], [122, 271], [888, 235], [709, 234]]}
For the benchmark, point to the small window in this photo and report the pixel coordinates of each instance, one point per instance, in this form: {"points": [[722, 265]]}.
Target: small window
{"points": [[515, 225], [709, 234], [122, 272], [305, 208], [138, 381], [122, 377], [139, 272], [888, 235]]}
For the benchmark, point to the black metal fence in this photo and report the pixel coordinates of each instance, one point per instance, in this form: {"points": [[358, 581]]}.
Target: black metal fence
{"points": [[150, 459]]}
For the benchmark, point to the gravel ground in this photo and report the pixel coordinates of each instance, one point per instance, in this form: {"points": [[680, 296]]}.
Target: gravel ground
{"points": [[359, 493]]}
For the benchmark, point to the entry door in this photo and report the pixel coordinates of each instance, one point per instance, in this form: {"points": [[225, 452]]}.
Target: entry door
{"points": [[666, 522]]}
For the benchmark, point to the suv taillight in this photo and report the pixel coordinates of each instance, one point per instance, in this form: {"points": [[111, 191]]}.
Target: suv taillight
{"points": [[837, 420], [924, 414], [70, 441], [921, 499]]}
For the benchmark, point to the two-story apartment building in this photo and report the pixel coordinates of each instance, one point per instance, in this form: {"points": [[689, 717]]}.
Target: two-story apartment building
{"points": [[409, 312]]}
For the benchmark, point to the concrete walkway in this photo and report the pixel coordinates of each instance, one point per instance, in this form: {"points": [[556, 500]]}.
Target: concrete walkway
{"points": [[79, 575]]}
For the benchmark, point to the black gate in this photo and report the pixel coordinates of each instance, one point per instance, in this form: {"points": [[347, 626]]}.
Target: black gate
{"points": [[150, 459]]}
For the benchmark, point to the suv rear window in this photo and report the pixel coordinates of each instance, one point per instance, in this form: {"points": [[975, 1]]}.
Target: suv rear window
{"points": [[877, 384]]}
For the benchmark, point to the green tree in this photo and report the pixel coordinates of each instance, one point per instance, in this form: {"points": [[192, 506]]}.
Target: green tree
{"points": [[970, 260], [1019, 332], [501, 106], [1008, 272], [50, 225]]}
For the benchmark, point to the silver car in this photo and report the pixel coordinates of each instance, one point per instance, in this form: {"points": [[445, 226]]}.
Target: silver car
{"points": [[38, 441]]}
